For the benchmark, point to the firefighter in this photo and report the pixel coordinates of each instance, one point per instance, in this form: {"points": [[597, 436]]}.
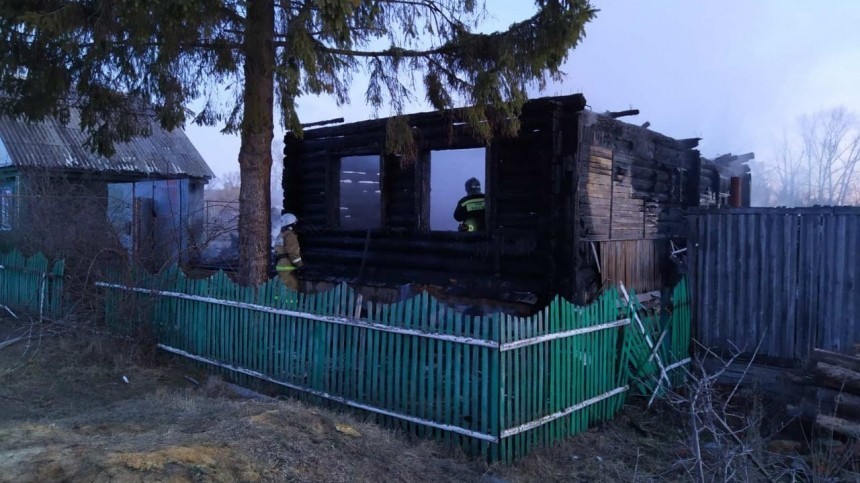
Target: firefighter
{"points": [[288, 256], [470, 210]]}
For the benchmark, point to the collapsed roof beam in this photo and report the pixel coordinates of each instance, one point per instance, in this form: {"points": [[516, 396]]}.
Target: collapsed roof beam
{"points": [[617, 114]]}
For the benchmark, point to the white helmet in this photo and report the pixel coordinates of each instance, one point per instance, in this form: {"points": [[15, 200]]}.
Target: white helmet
{"points": [[288, 219]]}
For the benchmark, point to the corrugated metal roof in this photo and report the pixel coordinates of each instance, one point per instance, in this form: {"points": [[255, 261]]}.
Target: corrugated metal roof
{"points": [[49, 144]]}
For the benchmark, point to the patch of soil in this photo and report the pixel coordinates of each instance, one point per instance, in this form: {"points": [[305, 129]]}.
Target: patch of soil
{"points": [[69, 415]]}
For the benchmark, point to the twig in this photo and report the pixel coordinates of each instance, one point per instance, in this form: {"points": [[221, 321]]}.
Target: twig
{"points": [[697, 449], [9, 310], [744, 374], [737, 439], [636, 468], [8, 342]]}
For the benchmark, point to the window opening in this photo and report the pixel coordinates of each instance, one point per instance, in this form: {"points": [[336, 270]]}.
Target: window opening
{"points": [[360, 195], [452, 208]]}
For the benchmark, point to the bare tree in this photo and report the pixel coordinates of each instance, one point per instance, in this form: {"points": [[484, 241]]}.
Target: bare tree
{"points": [[788, 175], [221, 210], [821, 165], [224, 188], [765, 188], [831, 152]]}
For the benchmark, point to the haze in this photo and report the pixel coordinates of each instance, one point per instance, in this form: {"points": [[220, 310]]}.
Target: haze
{"points": [[736, 73]]}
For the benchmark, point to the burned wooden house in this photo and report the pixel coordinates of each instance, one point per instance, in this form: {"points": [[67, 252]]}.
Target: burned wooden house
{"points": [[575, 201]]}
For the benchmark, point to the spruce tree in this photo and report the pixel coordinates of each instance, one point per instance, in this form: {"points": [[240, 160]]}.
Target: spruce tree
{"points": [[120, 62]]}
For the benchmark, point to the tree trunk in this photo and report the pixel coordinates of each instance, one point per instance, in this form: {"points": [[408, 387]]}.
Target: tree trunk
{"points": [[255, 154]]}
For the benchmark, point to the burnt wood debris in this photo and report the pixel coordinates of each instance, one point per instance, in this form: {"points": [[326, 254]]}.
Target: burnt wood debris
{"points": [[828, 390], [575, 201]]}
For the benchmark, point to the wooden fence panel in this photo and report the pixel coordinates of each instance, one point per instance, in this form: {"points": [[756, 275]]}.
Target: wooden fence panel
{"points": [[834, 324], [746, 275], [781, 277], [32, 285]]}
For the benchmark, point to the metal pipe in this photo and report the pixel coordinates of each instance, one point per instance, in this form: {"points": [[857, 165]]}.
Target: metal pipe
{"points": [[736, 192]]}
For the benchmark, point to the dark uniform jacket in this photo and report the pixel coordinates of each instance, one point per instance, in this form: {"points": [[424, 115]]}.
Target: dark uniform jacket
{"points": [[470, 212]]}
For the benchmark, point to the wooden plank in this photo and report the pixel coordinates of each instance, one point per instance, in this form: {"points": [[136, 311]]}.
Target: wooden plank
{"points": [[504, 389], [596, 189], [851, 325], [408, 386], [449, 408], [838, 295], [600, 151], [437, 376], [460, 367], [425, 369], [626, 234], [494, 393]]}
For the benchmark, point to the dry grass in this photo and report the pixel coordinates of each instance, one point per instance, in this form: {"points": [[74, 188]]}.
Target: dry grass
{"points": [[68, 415]]}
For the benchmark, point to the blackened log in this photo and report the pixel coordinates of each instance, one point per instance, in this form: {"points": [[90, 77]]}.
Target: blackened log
{"points": [[817, 400], [468, 266], [838, 425], [840, 403], [617, 114], [843, 360], [535, 108], [384, 244], [837, 377], [336, 120]]}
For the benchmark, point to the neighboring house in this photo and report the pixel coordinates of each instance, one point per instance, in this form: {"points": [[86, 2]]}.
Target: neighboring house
{"points": [[575, 201], [146, 199]]}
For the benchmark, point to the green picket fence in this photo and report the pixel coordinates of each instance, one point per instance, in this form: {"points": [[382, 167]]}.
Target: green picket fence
{"points": [[32, 285], [497, 385], [663, 345]]}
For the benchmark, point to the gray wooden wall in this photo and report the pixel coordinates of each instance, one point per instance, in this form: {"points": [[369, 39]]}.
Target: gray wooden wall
{"points": [[785, 276]]}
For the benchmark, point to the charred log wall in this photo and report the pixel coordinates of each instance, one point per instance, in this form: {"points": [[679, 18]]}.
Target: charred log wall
{"points": [[634, 186], [516, 259]]}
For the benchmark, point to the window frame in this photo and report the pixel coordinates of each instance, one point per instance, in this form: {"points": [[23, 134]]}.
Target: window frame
{"points": [[336, 185], [428, 198], [421, 195], [8, 206]]}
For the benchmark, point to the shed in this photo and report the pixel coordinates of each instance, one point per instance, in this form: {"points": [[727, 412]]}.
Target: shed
{"points": [[146, 199], [575, 201]]}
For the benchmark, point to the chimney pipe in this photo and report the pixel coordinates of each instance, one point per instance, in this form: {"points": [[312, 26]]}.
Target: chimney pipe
{"points": [[736, 192]]}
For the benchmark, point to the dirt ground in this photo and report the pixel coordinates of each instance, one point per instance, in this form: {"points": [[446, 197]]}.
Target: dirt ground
{"points": [[68, 414]]}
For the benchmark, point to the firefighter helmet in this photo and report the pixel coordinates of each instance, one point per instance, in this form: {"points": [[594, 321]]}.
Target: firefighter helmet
{"points": [[473, 186], [288, 219]]}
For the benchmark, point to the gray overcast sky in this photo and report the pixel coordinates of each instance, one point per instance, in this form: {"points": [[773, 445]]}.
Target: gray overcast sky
{"points": [[733, 72]]}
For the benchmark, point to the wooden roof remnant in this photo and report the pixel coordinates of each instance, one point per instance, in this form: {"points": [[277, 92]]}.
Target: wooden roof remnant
{"points": [[733, 164]]}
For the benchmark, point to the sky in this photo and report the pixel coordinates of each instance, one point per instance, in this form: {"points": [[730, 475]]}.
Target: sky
{"points": [[735, 73]]}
